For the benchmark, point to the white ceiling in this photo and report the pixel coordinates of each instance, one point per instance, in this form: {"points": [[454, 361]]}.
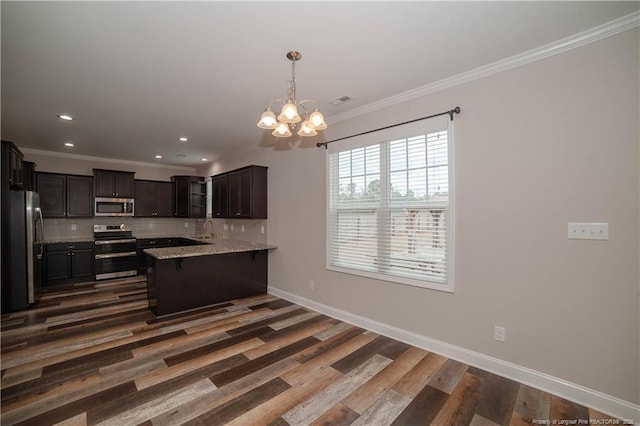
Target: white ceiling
{"points": [[138, 75]]}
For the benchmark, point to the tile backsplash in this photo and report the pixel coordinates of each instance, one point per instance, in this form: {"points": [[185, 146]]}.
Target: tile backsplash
{"points": [[238, 229]]}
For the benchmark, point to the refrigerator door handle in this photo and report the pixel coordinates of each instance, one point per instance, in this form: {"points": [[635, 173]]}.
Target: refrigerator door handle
{"points": [[41, 225], [41, 232]]}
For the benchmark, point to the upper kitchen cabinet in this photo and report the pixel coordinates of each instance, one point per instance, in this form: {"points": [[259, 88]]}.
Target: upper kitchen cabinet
{"points": [[14, 166], [153, 198], [190, 196], [220, 196], [64, 195], [28, 175], [113, 183], [247, 189]]}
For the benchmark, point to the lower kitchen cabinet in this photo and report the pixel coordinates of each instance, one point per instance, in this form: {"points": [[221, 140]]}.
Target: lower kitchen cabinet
{"points": [[68, 262], [180, 284], [148, 243]]}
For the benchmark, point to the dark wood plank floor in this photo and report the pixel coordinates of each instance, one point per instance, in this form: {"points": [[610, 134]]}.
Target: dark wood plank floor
{"points": [[94, 354]]}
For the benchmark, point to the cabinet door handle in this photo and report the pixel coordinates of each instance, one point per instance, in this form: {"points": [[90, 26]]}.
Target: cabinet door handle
{"points": [[71, 247], [73, 254]]}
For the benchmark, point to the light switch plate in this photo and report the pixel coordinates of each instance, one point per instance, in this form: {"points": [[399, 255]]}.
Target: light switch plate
{"points": [[588, 231]]}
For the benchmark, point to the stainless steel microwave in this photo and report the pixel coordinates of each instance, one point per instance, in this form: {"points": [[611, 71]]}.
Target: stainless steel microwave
{"points": [[114, 206]]}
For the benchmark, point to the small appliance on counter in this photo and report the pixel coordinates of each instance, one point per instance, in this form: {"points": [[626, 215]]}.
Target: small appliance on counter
{"points": [[115, 251]]}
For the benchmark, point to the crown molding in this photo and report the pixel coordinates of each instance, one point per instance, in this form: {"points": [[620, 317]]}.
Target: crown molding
{"points": [[594, 34], [103, 159]]}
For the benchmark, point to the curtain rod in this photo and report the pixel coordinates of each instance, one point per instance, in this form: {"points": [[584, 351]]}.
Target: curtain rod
{"points": [[456, 110]]}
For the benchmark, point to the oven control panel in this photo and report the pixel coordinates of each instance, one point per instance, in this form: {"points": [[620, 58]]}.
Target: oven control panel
{"points": [[111, 228]]}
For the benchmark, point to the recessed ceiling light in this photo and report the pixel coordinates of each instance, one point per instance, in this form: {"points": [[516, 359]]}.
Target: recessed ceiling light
{"points": [[204, 159], [158, 156], [66, 117], [69, 144], [183, 139]]}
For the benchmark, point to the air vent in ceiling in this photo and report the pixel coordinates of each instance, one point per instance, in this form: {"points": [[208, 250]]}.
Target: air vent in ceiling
{"points": [[340, 100], [180, 155]]}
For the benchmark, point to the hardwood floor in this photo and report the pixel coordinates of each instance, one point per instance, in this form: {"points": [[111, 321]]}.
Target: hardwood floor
{"points": [[94, 354]]}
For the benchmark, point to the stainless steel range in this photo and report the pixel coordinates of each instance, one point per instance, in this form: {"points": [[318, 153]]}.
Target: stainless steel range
{"points": [[115, 251]]}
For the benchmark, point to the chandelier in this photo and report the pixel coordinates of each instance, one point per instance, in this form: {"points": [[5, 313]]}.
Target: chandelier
{"points": [[289, 116]]}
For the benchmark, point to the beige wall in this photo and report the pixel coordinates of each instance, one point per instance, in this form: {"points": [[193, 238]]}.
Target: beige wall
{"points": [[538, 146], [83, 165]]}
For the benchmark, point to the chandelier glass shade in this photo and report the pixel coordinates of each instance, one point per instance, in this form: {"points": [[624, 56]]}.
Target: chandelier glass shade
{"points": [[289, 116]]}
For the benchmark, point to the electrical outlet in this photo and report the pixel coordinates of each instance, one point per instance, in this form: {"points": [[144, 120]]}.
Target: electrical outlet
{"points": [[311, 285], [588, 231], [226, 227], [74, 227], [186, 224], [242, 229], [499, 333], [232, 226], [262, 229]]}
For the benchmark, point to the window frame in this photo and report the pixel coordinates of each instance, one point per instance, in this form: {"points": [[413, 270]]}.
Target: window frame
{"points": [[385, 137]]}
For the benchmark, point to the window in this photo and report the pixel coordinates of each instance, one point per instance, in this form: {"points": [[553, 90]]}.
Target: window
{"points": [[390, 205]]}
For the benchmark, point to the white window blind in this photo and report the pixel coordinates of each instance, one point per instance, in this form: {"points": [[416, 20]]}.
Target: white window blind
{"points": [[389, 205]]}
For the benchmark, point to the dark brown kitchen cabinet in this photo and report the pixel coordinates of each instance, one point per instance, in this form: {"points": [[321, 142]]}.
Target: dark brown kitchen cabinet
{"points": [[14, 164], [52, 188], [113, 183], [247, 189], [220, 196], [68, 262], [28, 175], [190, 196], [79, 196], [65, 195], [147, 243], [153, 198]]}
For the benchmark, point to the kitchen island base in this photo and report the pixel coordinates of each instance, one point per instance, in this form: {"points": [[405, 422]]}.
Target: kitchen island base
{"points": [[181, 284]]}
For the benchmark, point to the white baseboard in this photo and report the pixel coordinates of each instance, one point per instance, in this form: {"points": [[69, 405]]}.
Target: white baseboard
{"points": [[591, 398]]}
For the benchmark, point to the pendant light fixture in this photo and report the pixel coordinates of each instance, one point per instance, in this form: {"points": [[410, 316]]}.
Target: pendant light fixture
{"points": [[289, 116]]}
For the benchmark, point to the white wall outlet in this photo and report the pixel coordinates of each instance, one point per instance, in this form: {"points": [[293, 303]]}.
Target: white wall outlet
{"points": [[226, 227], [262, 229], [186, 224], [312, 285], [242, 229], [499, 333], [74, 227], [150, 225], [232, 226], [588, 231]]}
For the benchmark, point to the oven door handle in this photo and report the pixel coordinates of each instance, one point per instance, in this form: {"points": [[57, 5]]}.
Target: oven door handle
{"points": [[112, 255], [104, 242]]}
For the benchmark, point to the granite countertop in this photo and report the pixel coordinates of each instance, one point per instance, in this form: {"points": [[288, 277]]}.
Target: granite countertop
{"points": [[213, 246], [57, 240]]}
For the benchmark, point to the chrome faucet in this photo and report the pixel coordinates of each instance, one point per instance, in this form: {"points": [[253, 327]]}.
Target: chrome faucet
{"points": [[208, 228]]}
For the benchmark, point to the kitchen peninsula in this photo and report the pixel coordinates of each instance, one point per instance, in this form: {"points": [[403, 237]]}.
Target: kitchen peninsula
{"points": [[189, 277]]}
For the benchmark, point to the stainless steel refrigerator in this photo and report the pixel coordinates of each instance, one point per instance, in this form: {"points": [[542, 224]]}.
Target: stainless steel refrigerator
{"points": [[25, 248]]}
